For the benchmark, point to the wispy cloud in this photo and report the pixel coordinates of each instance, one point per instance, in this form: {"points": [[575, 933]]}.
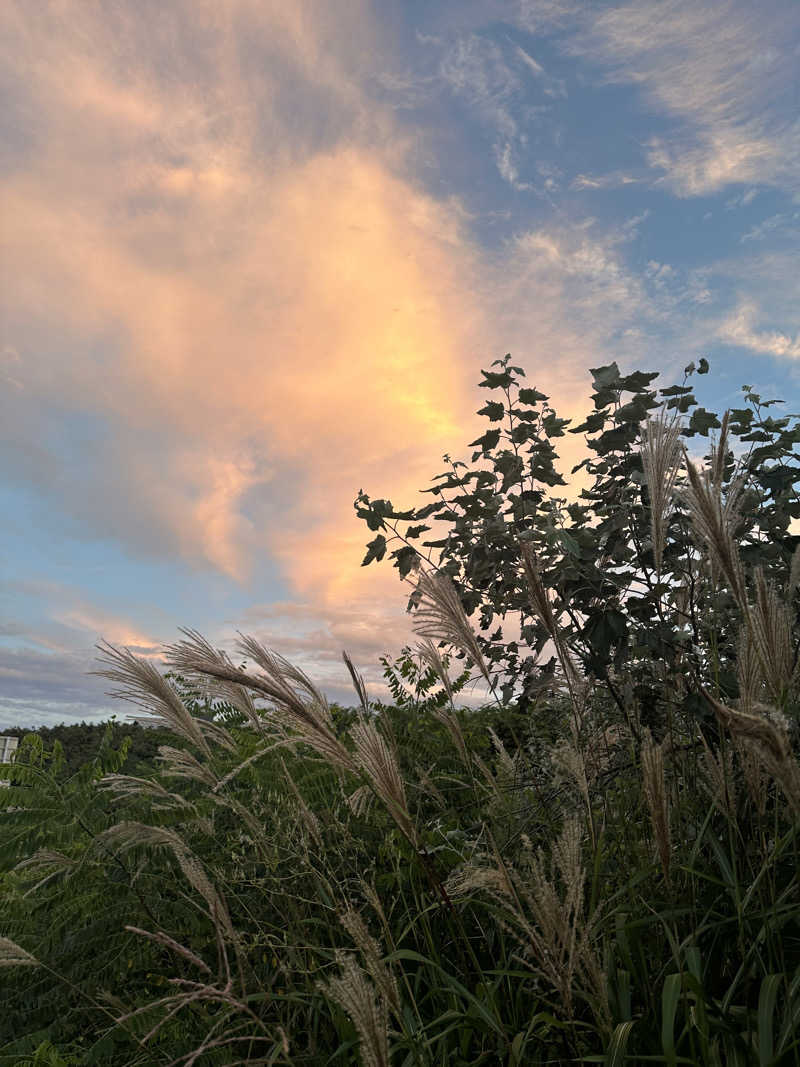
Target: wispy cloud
{"points": [[725, 72], [786, 223], [741, 329], [615, 180], [491, 76]]}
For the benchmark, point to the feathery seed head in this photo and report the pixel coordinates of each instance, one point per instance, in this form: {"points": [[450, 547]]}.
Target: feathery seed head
{"points": [[430, 653], [655, 792], [280, 682], [358, 682], [370, 1015], [441, 616], [127, 835], [377, 968], [660, 463], [719, 452], [12, 955], [771, 628], [765, 739], [377, 759], [713, 522], [140, 683]]}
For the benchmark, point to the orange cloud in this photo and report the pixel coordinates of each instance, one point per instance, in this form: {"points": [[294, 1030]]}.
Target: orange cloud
{"points": [[264, 318], [264, 314]]}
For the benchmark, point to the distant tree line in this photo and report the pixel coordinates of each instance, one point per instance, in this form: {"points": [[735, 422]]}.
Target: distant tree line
{"points": [[81, 741]]}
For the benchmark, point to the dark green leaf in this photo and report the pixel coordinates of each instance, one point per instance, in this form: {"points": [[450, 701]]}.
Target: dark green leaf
{"points": [[702, 421], [493, 410], [532, 396], [377, 550], [488, 440], [605, 377]]}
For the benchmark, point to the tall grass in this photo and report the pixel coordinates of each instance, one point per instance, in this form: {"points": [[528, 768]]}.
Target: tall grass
{"points": [[423, 885]]}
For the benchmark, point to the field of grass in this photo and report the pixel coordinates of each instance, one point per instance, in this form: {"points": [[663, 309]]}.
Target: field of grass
{"points": [[600, 865]]}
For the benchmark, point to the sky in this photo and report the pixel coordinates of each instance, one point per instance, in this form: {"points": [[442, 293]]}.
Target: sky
{"points": [[254, 255]]}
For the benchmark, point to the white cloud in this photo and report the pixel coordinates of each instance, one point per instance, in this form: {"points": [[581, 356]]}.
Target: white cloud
{"points": [[492, 77], [785, 223], [741, 199], [725, 71], [740, 329], [614, 180]]}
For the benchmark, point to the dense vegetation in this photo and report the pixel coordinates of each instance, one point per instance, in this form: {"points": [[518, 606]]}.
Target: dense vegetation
{"points": [[598, 866], [80, 742]]}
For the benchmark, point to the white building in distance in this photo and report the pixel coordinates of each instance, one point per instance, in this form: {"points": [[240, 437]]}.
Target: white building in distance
{"points": [[8, 746]]}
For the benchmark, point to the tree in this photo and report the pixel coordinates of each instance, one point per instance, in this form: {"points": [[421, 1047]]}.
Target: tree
{"points": [[616, 561]]}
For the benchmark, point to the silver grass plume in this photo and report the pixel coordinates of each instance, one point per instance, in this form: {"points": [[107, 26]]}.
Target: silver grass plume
{"points": [[441, 616], [360, 800], [719, 778], [655, 791], [49, 864], [378, 760], [540, 602], [557, 938], [358, 683], [719, 453], [307, 816], [660, 463], [748, 671], [568, 758], [219, 734], [160, 938], [140, 683], [771, 627], [546, 912], [506, 764], [126, 785], [428, 651], [767, 741], [372, 897], [12, 955], [713, 521], [472, 878], [373, 959], [237, 770], [181, 764], [46, 857], [428, 786], [239, 696], [369, 1014], [280, 682], [127, 835], [448, 718]]}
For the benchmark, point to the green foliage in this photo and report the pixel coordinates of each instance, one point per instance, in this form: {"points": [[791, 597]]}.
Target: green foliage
{"points": [[604, 871], [595, 554], [81, 742], [411, 683]]}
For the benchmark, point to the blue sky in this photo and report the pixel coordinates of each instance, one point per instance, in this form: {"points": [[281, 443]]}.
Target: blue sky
{"points": [[255, 254]]}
